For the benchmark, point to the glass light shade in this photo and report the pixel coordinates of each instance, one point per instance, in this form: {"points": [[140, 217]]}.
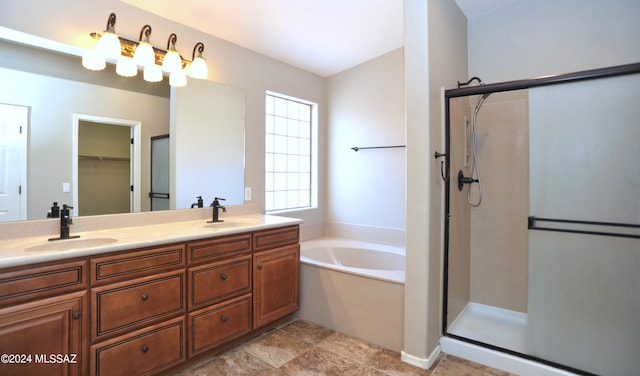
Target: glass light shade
{"points": [[93, 60], [109, 46], [198, 68], [178, 78], [152, 73], [172, 62], [144, 55], [126, 67]]}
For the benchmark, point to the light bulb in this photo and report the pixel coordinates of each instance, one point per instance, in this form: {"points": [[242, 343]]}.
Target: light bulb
{"points": [[93, 60], [144, 55], [198, 68], [152, 73], [178, 78], [172, 62], [109, 46], [126, 67]]}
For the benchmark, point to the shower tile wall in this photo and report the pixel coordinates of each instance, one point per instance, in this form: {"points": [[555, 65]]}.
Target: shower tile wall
{"points": [[498, 227], [460, 226]]}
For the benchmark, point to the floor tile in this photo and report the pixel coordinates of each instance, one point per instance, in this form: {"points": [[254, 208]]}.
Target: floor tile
{"points": [[276, 348], [298, 348], [319, 361], [307, 331], [390, 363], [349, 347]]}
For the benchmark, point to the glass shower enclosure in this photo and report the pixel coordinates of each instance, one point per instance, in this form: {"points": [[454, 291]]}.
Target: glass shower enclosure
{"points": [[542, 219]]}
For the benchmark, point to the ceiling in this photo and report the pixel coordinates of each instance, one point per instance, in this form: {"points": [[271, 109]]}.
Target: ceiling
{"points": [[323, 37]]}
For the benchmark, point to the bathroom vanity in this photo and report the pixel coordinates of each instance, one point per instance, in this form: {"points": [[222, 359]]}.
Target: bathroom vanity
{"points": [[149, 301]]}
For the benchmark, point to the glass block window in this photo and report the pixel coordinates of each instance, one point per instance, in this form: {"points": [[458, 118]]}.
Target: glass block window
{"points": [[288, 153]]}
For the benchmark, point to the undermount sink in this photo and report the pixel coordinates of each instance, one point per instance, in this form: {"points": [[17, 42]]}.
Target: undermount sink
{"points": [[233, 222], [70, 244]]}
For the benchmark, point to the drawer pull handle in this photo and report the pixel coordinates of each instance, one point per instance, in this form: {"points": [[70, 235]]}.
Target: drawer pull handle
{"points": [[76, 315], [259, 267], [144, 297], [223, 277], [223, 318], [144, 348]]}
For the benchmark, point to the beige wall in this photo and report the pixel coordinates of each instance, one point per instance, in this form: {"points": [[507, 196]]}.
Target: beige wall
{"points": [[366, 108], [435, 57]]}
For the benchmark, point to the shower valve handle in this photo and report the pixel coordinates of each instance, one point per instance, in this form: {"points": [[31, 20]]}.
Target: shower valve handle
{"points": [[462, 180]]}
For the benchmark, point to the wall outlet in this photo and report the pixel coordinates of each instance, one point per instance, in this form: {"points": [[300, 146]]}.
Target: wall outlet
{"points": [[247, 194], [66, 187]]}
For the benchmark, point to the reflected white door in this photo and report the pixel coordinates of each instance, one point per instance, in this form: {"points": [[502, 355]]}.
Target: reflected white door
{"points": [[13, 162]]}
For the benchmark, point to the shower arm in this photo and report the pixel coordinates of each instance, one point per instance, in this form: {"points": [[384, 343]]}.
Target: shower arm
{"points": [[474, 78]]}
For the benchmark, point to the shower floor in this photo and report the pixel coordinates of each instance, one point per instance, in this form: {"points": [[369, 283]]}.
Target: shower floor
{"points": [[491, 325]]}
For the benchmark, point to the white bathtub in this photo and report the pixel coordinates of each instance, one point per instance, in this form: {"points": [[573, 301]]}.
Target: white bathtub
{"points": [[360, 258], [356, 288]]}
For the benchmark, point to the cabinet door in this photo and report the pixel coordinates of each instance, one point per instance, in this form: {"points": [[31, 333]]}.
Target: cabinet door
{"points": [[276, 282], [44, 337]]}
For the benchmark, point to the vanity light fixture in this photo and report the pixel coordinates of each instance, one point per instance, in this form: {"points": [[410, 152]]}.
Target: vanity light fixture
{"points": [[172, 61], [130, 55], [198, 68], [143, 54]]}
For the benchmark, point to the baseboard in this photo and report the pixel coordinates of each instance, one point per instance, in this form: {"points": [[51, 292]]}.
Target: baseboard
{"points": [[421, 362]]}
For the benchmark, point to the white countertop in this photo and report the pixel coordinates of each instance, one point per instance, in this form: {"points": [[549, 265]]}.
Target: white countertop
{"points": [[36, 249]]}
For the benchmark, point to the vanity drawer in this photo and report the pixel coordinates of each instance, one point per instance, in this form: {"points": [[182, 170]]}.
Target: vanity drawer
{"points": [[218, 248], [144, 352], [218, 324], [275, 238], [127, 306], [212, 283], [40, 282], [127, 266]]}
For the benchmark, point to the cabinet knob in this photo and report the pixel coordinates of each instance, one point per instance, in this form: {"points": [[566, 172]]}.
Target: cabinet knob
{"points": [[223, 277], [144, 348], [144, 297], [223, 318], [76, 315], [259, 267]]}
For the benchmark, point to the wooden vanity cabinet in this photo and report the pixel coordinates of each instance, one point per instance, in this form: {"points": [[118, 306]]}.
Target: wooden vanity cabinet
{"points": [[219, 291], [51, 319], [138, 306], [146, 311], [276, 274]]}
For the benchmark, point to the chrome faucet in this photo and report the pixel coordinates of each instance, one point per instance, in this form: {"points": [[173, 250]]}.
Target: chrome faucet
{"points": [[65, 222], [216, 206]]}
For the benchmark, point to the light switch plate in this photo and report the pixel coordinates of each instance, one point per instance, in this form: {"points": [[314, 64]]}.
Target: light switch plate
{"points": [[247, 194], [66, 187]]}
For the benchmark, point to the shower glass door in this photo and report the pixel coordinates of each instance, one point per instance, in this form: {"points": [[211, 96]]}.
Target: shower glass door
{"points": [[547, 267], [584, 243]]}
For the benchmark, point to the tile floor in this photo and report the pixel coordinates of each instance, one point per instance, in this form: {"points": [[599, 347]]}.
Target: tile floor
{"points": [[299, 347]]}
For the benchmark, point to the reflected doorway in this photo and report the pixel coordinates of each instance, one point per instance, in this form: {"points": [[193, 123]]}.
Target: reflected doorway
{"points": [[106, 165]]}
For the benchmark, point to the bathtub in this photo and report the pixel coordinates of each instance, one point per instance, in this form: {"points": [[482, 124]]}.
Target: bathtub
{"points": [[354, 287]]}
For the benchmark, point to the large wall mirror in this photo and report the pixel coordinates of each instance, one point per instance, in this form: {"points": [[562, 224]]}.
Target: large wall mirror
{"points": [[49, 94]]}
